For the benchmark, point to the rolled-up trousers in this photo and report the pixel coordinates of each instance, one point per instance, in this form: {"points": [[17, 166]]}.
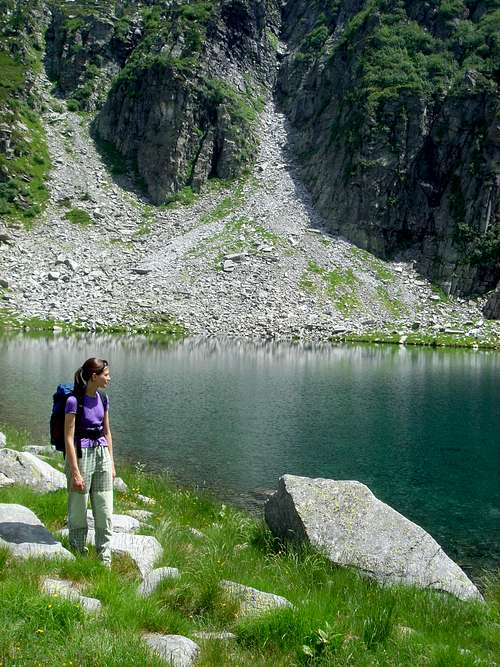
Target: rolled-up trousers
{"points": [[95, 468]]}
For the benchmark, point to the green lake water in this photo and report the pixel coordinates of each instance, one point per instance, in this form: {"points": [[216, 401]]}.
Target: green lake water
{"points": [[420, 427]]}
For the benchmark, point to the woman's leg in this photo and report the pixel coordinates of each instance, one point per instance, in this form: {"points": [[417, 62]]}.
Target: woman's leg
{"points": [[77, 504], [101, 499]]}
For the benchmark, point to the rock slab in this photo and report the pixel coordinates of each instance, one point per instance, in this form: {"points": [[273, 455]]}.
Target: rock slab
{"points": [[346, 521], [22, 532], [153, 579], [67, 589], [122, 523], [253, 601], [144, 550], [176, 650], [28, 469], [5, 481]]}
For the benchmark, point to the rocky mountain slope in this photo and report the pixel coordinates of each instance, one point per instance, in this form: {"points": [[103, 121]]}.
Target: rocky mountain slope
{"points": [[140, 231], [398, 103]]}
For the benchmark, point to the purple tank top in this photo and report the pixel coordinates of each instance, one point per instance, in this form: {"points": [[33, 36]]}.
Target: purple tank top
{"points": [[91, 417]]}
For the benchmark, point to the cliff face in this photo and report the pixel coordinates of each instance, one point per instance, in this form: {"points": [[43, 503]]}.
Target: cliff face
{"points": [[397, 104], [188, 81], [392, 103]]}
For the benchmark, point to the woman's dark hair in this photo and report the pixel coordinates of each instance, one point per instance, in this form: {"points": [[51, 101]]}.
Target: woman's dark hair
{"points": [[83, 374]]}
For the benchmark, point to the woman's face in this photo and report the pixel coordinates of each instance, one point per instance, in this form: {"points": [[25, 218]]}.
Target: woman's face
{"points": [[102, 380]]}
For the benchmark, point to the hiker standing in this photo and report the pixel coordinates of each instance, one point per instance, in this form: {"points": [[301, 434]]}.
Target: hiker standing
{"points": [[89, 463]]}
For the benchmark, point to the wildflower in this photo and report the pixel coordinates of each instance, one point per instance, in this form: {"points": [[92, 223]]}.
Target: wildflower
{"points": [[49, 606], [40, 631]]}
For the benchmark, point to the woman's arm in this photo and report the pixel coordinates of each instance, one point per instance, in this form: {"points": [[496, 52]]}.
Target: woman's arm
{"points": [[109, 440], [69, 440]]}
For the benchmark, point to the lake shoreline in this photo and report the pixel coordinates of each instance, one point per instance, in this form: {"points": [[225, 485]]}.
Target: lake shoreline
{"points": [[337, 616]]}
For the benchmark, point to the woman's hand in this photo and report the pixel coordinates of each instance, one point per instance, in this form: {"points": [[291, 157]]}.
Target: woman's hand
{"points": [[113, 471], [77, 483]]}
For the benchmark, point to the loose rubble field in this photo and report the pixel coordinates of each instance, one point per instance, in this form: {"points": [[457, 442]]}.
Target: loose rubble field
{"points": [[246, 259]]}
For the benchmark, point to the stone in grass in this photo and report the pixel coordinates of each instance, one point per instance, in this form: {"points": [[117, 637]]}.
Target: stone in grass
{"points": [[153, 579], [145, 499], [25, 536], [142, 515], [66, 589], [5, 481], [353, 528], [121, 523], [222, 636], [3, 440], [197, 533], [176, 650], [144, 550], [28, 469], [120, 485], [251, 600]]}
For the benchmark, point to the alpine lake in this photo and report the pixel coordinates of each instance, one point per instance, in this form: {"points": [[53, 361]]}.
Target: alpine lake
{"points": [[420, 427]]}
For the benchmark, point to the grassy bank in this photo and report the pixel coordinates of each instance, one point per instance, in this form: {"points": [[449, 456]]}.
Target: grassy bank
{"points": [[338, 617]]}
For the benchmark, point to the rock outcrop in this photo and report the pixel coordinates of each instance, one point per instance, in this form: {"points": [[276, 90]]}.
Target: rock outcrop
{"points": [[395, 123], [28, 469], [346, 521], [188, 82], [22, 533], [491, 308]]}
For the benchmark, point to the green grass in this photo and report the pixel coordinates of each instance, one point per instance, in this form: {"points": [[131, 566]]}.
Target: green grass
{"points": [[337, 285], [225, 207], [79, 216], [395, 307], [339, 618]]}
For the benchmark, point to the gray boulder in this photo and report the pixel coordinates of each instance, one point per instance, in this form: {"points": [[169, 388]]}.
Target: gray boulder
{"points": [[176, 650], [491, 308], [251, 600], [69, 591], [347, 522], [120, 485], [144, 550], [28, 469], [153, 579], [5, 481], [122, 523], [3, 440], [22, 532]]}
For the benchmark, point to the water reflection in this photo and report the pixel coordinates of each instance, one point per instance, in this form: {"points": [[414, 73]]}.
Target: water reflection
{"points": [[419, 426]]}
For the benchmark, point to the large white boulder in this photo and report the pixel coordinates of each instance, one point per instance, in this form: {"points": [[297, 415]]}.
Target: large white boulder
{"points": [[122, 523], [22, 532], [348, 523], [28, 469]]}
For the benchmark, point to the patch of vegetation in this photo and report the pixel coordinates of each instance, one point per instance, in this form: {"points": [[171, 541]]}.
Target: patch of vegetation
{"points": [[238, 235], [338, 617], [79, 216], [394, 306], [24, 159], [338, 285], [226, 207], [184, 197], [376, 265]]}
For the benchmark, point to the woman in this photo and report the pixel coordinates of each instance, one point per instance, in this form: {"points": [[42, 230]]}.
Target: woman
{"points": [[89, 458]]}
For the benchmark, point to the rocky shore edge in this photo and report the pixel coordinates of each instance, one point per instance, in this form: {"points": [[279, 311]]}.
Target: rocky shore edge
{"points": [[342, 521]]}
